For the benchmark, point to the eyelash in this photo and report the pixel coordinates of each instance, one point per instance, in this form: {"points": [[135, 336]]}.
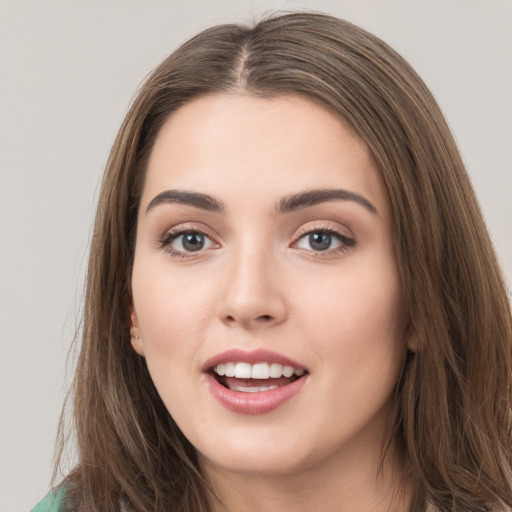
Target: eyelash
{"points": [[166, 241], [346, 243]]}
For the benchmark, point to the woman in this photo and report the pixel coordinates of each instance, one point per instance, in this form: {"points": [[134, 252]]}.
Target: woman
{"points": [[292, 299]]}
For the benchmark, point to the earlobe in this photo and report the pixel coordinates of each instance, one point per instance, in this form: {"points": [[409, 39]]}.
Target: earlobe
{"points": [[136, 339], [413, 343]]}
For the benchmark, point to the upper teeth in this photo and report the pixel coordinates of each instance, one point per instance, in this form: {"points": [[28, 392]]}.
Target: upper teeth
{"points": [[256, 371]]}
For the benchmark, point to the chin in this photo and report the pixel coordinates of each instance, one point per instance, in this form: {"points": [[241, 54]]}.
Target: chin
{"points": [[259, 465], [266, 457]]}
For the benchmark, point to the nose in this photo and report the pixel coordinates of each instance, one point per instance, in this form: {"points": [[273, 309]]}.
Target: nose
{"points": [[252, 297]]}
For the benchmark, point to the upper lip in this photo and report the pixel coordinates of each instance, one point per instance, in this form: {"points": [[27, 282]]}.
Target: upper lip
{"points": [[254, 356]]}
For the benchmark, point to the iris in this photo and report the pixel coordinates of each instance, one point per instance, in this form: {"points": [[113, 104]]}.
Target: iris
{"points": [[320, 241], [193, 242]]}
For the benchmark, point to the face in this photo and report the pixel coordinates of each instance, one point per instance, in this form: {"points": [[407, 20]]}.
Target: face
{"points": [[265, 289]]}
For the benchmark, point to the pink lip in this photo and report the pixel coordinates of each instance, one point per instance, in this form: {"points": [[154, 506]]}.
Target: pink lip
{"points": [[255, 356], [253, 403]]}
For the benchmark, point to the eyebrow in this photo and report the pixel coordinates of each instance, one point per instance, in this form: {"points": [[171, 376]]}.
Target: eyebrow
{"points": [[286, 204], [196, 199], [313, 197]]}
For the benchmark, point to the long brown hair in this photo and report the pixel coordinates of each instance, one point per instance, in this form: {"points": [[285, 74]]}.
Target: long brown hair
{"points": [[453, 424]]}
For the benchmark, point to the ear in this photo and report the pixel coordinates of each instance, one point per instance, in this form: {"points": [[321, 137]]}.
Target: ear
{"points": [[136, 339], [413, 343]]}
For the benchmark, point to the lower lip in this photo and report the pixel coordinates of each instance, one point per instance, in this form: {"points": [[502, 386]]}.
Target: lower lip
{"points": [[253, 403]]}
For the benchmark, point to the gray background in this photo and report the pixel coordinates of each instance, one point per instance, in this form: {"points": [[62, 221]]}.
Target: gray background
{"points": [[68, 70]]}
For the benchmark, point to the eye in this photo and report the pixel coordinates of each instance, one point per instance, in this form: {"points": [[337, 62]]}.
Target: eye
{"points": [[181, 243], [324, 240]]}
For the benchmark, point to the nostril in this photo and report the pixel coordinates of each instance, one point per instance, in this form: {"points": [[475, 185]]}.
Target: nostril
{"points": [[261, 318]]}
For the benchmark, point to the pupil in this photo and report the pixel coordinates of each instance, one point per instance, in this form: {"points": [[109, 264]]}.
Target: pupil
{"points": [[320, 241], [193, 242]]}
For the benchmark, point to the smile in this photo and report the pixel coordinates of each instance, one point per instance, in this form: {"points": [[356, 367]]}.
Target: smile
{"points": [[241, 376], [245, 384], [256, 371]]}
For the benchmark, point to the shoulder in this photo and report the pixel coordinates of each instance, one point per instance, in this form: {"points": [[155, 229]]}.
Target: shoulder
{"points": [[51, 502]]}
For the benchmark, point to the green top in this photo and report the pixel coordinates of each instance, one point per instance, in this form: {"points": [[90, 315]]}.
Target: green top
{"points": [[50, 503]]}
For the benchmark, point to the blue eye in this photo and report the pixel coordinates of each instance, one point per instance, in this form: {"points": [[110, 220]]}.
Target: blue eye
{"points": [[323, 240], [187, 242], [192, 242], [320, 241]]}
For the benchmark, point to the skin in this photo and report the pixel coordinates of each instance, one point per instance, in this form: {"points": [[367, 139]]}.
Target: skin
{"points": [[259, 283]]}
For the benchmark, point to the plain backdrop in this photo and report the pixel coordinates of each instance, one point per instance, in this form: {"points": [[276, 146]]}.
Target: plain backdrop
{"points": [[68, 70]]}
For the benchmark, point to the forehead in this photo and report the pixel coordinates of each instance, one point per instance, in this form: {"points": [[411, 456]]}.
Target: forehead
{"points": [[238, 143]]}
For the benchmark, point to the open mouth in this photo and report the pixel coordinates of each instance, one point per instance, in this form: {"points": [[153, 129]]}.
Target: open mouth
{"points": [[253, 378]]}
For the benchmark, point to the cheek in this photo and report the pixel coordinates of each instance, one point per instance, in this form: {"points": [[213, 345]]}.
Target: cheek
{"points": [[356, 320], [171, 306], [171, 321], [174, 312], [354, 300]]}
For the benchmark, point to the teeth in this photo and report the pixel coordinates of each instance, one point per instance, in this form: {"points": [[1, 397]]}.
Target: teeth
{"points": [[255, 389], [260, 371], [276, 370], [243, 371], [230, 369], [256, 371], [287, 371]]}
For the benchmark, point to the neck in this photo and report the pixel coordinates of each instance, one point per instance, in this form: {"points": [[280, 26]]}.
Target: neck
{"points": [[339, 483]]}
